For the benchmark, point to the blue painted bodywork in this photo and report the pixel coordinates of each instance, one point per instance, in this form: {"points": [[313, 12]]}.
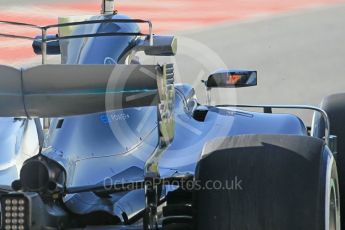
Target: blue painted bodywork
{"points": [[97, 146], [117, 144], [100, 50]]}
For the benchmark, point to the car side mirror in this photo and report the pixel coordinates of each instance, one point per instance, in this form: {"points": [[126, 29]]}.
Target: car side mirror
{"points": [[53, 47], [232, 79], [162, 46]]}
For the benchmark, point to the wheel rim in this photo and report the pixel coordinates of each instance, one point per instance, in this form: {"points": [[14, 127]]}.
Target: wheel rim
{"points": [[333, 210], [333, 222]]}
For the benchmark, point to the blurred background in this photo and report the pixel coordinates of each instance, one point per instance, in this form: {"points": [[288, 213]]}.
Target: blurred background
{"points": [[297, 46]]}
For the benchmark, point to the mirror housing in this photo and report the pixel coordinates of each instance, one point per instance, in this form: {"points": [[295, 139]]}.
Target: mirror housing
{"points": [[232, 79], [162, 46], [53, 47]]}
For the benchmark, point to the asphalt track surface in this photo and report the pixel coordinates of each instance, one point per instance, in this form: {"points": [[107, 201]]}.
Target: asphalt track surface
{"points": [[168, 16], [299, 55]]}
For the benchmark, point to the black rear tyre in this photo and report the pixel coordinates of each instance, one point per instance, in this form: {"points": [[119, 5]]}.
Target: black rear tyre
{"points": [[287, 182], [334, 105]]}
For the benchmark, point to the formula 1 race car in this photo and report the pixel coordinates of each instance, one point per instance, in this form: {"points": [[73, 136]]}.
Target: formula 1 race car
{"points": [[122, 146]]}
